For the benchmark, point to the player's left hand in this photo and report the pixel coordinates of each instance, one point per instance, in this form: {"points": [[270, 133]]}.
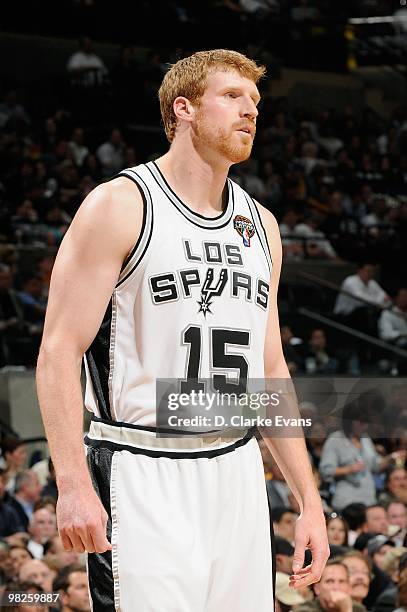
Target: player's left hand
{"points": [[310, 532]]}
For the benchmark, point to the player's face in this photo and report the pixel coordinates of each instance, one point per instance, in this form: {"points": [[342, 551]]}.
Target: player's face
{"points": [[225, 121]]}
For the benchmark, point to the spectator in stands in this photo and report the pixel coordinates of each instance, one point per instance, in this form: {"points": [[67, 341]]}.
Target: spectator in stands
{"points": [[286, 598], [316, 441], [359, 575], [24, 219], [14, 452], [27, 492], [32, 299], [42, 527], [361, 285], [72, 584], [31, 589], [11, 317], [111, 153], [393, 322], [397, 517], [11, 110], [284, 552], [349, 458], [47, 502], [395, 486], [355, 516], [394, 563], [402, 592], [9, 519], [317, 351], [38, 572], [19, 555], [284, 522], [86, 65], [50, 488], [278, 491], [6, 564], [378, 549], [78, 148], [292, 247], [247, 176], [291, 349], [333, 591], [317, 246], [309, 157], [337, 530], [376, 520], [378, 218]]}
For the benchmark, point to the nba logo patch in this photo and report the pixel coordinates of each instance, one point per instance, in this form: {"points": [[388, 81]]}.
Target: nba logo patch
{"points": [[245, 228]]}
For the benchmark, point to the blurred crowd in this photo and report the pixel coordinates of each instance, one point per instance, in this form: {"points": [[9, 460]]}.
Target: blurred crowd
{"points": [[362, 477], [359, 465], [32, 557], [336, 181]]}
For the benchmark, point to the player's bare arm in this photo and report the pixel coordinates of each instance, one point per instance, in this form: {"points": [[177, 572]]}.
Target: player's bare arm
{"points": [[88, 264], [290, 452]]}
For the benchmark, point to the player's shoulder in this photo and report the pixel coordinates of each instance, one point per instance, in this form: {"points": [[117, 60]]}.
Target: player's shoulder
{"points": [[116, 190], [119, 198], [268, 219]]}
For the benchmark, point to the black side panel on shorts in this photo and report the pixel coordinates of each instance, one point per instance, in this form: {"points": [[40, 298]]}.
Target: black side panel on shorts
{"points": [[97, 357], [273, 552], [100, 564]]}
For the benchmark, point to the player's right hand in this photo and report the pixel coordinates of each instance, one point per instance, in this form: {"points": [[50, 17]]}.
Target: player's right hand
{"points": [[82, 520]]}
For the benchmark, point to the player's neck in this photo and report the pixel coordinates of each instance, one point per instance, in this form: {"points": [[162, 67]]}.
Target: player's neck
{"points": [[199, 183]]}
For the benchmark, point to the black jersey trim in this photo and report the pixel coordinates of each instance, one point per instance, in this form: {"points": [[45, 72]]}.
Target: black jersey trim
{"points": [[222, 214], [98, 362], [196, 223], [114, 446], [156, 430], [264, 229], [143, 226], [259, 233], [145, 203]]}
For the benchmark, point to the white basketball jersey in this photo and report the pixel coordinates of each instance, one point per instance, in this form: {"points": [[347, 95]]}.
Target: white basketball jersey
{"points": [[191, 302]]}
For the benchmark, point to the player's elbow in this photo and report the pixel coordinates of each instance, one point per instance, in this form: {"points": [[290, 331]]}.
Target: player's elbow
{"points": [[55, 350]]}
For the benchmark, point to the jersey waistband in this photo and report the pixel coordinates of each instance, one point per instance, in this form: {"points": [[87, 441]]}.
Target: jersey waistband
{"points": [[141, 441]]}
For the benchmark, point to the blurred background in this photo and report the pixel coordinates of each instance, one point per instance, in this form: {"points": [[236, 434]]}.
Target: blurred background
{"points": [[78, 102]]}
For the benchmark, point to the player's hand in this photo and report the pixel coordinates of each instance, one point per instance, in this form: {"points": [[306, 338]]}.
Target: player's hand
{"points": [[310, 532], [82, 520]]}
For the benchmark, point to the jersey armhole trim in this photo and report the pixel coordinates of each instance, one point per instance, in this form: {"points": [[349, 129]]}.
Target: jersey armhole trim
{"points": [[260, 229], [138, 251], [263, 228]]}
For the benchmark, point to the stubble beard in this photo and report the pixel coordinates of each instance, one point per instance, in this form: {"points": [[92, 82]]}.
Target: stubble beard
{"points": [[220, 140]]}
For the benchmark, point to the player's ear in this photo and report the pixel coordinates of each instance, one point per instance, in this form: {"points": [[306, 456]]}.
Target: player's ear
{"points": [[184, 109]]}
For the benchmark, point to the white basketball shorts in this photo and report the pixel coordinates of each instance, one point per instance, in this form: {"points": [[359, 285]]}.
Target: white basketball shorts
{"points": [[188, 523]]}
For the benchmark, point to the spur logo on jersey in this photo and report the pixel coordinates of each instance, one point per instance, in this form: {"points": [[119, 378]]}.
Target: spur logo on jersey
{"points": [[222, 274], [210, 290], [245, 228]]}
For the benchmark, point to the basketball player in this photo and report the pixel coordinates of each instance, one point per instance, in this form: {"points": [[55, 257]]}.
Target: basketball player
{"points": [[171, 271]]}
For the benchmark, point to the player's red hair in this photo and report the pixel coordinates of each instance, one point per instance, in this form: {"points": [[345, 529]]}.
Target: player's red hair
{"points": [[188, 78]]}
